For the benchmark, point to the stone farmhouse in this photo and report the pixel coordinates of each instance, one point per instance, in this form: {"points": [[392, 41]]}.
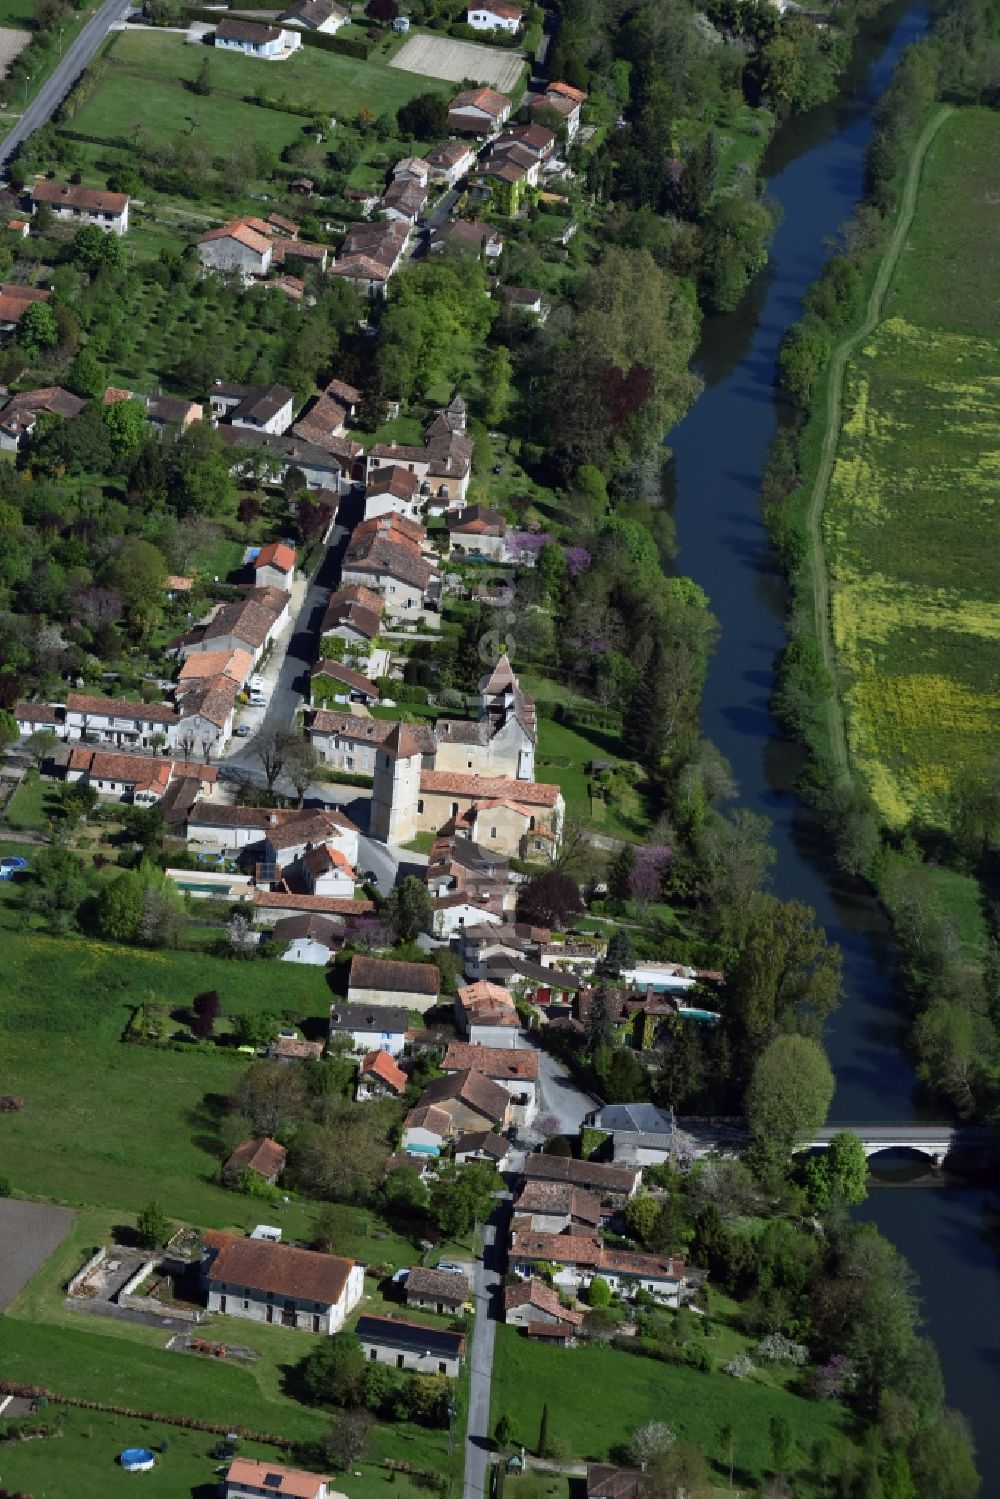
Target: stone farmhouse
{"points": [[410, 1345], [275, 1283], [83, 205]]}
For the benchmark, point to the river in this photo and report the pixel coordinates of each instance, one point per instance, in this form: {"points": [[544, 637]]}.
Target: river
{"points": [[815, 171]]}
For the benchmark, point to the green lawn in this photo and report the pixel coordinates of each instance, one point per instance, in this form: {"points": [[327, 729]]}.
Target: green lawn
{"points": [[563, 754], [597, 1396], [82, 1459], [34, 803]]}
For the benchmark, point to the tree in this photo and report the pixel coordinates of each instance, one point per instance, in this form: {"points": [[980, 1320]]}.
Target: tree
{"points": [[334, 1373], [301, 764], [781, 1443], [461, 1196], [384, 11], [424, 117], [139, 572], [37, 328], [503, 1432], [786, 974], [125, 423], [410, 909], [403, 1191], [649, 1442], [199, 472], [551, 899], [727, 1447], [94, 250], [343, 1158], [202, 82], [241, 938], [206, 1013], [152, 1226], [680, 1472], [620, 956], [789, 1093], [599, 1293], [271, 1095], [802, 358], [272, 750], [40, 745], [60, 887], [600, 1028], [839, 1175], [497, 373], [120, 906], [641, 1213], [347, 1437], [543, 1432], [735, 854]]}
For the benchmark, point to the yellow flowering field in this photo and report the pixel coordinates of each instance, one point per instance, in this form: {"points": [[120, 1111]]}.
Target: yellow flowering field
{"points": [[912, 534]]}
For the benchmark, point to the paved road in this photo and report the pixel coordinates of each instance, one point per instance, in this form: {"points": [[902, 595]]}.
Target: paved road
{"points": [[489, 1280], [52, 92]]}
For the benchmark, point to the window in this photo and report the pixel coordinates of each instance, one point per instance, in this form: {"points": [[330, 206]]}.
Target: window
{"points": [[373, 1354], [420, 804], [442, 1367], [400, 1360], [454, 809], [493, 832], [246, 1304]]}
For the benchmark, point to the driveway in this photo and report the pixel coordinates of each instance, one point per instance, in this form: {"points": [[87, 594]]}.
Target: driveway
{"points": [[488, 1291], [559, 1095], [55, 88]]}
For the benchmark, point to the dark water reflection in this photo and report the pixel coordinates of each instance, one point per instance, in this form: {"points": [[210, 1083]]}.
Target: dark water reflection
{"points": [[941, 1223]]}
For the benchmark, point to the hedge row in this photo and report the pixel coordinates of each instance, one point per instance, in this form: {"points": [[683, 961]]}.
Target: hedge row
{"points": [[190, 1423]]}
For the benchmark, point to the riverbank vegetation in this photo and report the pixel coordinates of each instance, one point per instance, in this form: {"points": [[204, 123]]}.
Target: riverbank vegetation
{"points": [[898, 702]]}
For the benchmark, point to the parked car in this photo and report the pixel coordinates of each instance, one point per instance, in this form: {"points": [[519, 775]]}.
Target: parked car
{"points": [[243, 731], [369, 877]]}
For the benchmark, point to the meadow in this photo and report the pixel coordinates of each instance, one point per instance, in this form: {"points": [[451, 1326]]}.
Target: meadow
{"points": [[910, 519], [600, 1395]]}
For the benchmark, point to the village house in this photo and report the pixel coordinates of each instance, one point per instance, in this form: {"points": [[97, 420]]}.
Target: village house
{"points": [[39, 718], [470, 238], [478, 111], [425, 1130], [385, 556], [495, 16], [380, 981], [319, 468], [262, 408], [271, 906], [206, 709], [119, 721], [379, 1077], [19, 417], [393, 490], [471, 1101], [354, 615], [290, 839], [242, 245], [481, 1145], [549, 1207], [140, 779], [486, 1015], [311, 939], [275, 1283], [370, 254], [83, 205], [532, 137], [562, 100], [237, 665], [349, 741], [403, 199], [514, 1070], [450, 162], [534, 1305], [274, 566], [315, 15], [263, 1156], [370, 1027], [250, 623], [333, 682], [15, 301], [410, 1345], [452, 913], [641, 1133], [168, 415], [478, 531], [579, 1258], [614, 1183], [254, 40], [248, 1478], [443, 1291]]}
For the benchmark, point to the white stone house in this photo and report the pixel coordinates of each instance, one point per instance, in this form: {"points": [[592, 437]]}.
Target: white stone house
{"points": [[254, 40], [274, 566], [278, 1284], [83, 205], [496, 16], [409, 1345], [370, 1027], [119, 721]]}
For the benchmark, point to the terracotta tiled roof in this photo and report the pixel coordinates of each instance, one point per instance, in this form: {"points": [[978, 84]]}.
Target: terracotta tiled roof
{"points": [[474, 1089], [82, 702], [592, 1174], [484, 1141], [276, 554], [91, 200], [240, 231], [272, 1478], [262, 1155], [393, 977], [381, 1065], [336, 905], [302, 1273], [487, 99], [449, 1285], [535, 1293], [429, 1117], [497, 1062], [236, 664], [525, 793], [43, 713]]}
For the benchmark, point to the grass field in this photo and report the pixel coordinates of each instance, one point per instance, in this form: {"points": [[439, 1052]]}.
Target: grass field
{"points": [[147, 73], [910, 522], [604, 1394]]}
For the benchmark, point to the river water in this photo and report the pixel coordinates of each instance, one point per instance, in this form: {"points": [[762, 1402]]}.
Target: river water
{"points": [[941, 1223]]}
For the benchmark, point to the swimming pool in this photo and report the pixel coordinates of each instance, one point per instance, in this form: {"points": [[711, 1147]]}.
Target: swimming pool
{"points": [[707, 1017]]}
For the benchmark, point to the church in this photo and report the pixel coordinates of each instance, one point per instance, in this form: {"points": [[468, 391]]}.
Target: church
{"points": [[472, 778]]}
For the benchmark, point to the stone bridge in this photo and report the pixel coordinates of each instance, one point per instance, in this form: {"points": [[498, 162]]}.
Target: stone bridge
{"points": [[934, 1141]]}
